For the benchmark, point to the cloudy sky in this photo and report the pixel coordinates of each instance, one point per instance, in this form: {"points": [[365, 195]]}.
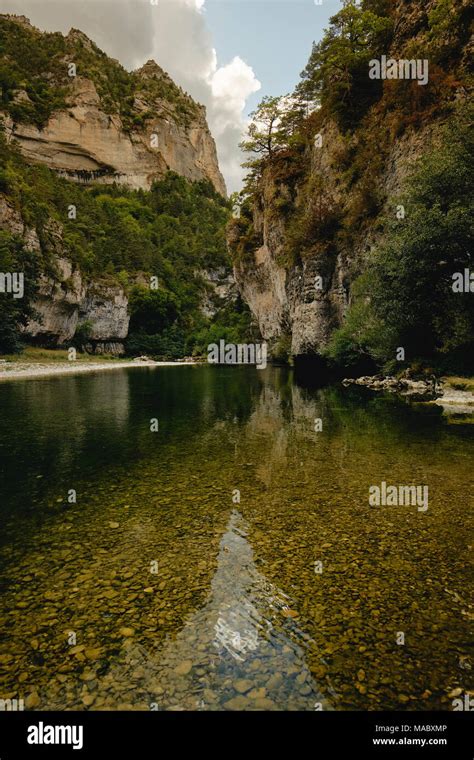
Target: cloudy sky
{"points": [[227, 54]]}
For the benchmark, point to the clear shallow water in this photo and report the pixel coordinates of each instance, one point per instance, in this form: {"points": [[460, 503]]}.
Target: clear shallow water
{"points": [[182, 596]]}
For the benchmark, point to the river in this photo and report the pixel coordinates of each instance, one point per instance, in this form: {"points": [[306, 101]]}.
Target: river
{"points": [[191, 538]]}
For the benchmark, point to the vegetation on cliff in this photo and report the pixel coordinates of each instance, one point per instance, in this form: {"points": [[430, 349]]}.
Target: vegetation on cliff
{"points": [[173, 233], [318, 167], [405, 298], [35, 80]]}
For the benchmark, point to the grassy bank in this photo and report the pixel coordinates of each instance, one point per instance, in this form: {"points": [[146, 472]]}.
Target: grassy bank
{"points": [[33, 355], [460, 383]]}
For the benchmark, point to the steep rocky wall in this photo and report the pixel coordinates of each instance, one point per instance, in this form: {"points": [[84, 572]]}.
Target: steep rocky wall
{"points": [[65, 300], [101, 136], [290, 300], [281, 288], [86, 142], [221, 290]]}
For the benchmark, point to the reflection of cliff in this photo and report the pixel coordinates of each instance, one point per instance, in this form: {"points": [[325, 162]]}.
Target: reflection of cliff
{"points": [[279, 420], [357, 574]]}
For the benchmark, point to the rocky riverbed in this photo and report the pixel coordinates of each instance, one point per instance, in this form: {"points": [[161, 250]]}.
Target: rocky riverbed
{"points": [[230, 560]]}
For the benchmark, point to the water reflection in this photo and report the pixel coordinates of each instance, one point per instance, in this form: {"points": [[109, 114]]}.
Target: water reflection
{"points": [[236, 617]]}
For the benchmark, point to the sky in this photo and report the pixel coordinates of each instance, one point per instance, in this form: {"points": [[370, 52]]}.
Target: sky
{"points": [[227, 54]]}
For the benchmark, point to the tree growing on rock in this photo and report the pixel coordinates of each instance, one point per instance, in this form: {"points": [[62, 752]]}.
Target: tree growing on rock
{"points": [[265, 132]]}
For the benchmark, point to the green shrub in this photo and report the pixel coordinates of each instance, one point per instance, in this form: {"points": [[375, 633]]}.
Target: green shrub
{"points": [[406, 297]]}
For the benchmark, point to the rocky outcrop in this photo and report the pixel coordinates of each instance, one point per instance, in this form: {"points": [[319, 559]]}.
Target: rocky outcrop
{"points": [[415, 390], [435, 390], [307, 300], [301, 290], [220, 290], [104, 307], [66, 301], [11, 220], [108, 126], [87, 140]]}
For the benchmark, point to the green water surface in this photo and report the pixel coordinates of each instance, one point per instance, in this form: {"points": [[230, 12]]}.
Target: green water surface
{"points": [[231, 559]]}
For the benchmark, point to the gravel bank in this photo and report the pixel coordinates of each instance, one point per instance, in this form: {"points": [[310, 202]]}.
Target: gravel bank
{"points": [[18, 370]]}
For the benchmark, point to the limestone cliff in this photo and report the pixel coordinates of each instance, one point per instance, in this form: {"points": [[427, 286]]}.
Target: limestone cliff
{"points": [[65, 300], [67, 106], [131, 134], [288, 300], [311, 215]]}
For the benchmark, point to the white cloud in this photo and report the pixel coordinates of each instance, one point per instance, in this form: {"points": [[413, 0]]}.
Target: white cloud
{"points": [[231, 85], [234, 82], [175, 34]]}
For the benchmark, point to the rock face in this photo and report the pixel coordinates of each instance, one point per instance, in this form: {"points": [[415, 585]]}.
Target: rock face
{"points": [[88, 140], [105, 307], [291, 300], [65, 301], [221, 290], [301, 291], [111, 127]]}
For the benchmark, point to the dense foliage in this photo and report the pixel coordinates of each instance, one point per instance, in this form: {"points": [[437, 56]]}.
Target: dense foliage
{"points": [[15, 312], [405, 298], [232, 323], [336, 73], [173, 233]]}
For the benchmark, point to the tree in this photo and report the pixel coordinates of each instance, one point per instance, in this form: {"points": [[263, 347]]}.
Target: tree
{"points": [[265, 130], [413, 270], [151, 311], [16, 312], [337, 72]]}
